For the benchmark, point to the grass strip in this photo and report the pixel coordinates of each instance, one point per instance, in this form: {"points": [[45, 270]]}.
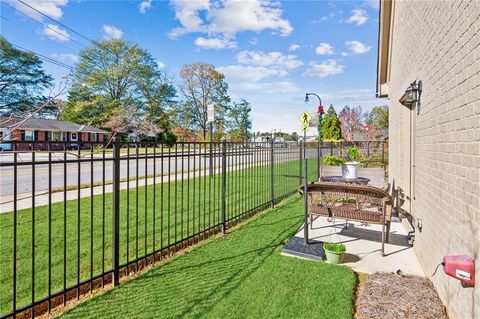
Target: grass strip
{"points": [[241, 275]]}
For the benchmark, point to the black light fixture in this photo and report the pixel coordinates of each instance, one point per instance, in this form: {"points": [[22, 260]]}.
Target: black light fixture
{"points": [[306, 98], [412, 94]]}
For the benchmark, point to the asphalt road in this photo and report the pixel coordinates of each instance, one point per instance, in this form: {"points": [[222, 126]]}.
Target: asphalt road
{"points": [[36, 177]]}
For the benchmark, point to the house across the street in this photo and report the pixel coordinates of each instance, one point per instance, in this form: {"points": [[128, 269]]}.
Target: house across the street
{"points": [[377, 135], [46, 130]]}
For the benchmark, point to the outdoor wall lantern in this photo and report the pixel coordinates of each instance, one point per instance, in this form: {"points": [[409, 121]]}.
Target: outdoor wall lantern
{"points": [[412, 95]]}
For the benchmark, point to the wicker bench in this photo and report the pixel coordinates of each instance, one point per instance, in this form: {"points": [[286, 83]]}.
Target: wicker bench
{"points": [[351, 202]]}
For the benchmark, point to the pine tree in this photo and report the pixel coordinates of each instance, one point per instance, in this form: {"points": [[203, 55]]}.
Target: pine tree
{"points": [[22, 81], [331, 128]]}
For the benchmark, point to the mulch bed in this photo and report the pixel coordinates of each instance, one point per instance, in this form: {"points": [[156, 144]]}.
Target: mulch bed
{"points": [[388, 295]]}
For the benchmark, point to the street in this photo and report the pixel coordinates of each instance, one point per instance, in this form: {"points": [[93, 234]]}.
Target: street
{"points": [[88, 172]]}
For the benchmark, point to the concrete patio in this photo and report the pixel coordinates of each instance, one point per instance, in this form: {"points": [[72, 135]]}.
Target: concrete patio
{"points": [[363, 243]]}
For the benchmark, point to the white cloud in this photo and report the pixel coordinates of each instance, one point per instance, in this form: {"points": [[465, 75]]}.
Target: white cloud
{"points": [[66, 57], [215, 43], [293, 47], [52, 8], [359, 17], [254, 15], [264, 87], [53, 32], [324, 18], [160, 64], [324, 49], [228, 17], [271, 59], [245, 73], [253, 41], [258, 73], [144, 6], [248, 77], [357, 47], [344, 54], [323, 69], [373, 3], [111, 32], [187, 13]]}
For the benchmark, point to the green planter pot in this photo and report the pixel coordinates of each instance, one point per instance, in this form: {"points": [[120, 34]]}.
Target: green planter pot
{"points": [[334, 257]]}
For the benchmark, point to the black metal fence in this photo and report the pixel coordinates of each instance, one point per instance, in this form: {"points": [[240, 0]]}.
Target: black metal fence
{"points": [[374, 152], [76, 220]]}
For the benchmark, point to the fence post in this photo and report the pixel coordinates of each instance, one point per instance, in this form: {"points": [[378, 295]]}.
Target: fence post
{"points": [[272, 163], [224, 185], [318, 160], [305, 204], [383, 154], [300, 165], [116, 213], [210, 164], [331, 147]]}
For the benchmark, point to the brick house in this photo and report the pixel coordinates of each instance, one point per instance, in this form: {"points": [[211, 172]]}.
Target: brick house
{"points": [[42, 130], [435, 132]]}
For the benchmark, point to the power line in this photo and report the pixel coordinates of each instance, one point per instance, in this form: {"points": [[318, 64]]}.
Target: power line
{"points": [[45, 25], [26, 28], [45, 58], [57, 22]]}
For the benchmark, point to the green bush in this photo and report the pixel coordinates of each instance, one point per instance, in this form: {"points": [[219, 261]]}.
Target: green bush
{"points": [[335, 248], [353, 154], [169, 138], [333, 160]]}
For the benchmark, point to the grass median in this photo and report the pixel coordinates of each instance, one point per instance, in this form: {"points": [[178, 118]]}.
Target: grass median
{"points": [[151, 217]]}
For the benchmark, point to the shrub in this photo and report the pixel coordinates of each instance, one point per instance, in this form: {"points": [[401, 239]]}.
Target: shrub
{"points": [[353, 154], [333, 160], [335, 248], [169, 138]]}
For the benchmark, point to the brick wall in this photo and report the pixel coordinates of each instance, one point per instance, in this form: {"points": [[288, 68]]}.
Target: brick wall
{"points": [[439, 43]]}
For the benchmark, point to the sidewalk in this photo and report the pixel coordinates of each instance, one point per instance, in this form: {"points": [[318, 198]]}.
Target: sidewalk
{"points": [[24, 201]]}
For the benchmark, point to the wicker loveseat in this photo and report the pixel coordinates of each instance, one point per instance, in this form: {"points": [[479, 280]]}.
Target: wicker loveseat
{"points": [[351, 202]]}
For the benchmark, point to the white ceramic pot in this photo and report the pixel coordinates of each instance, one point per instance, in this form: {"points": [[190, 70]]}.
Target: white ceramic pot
{"points": [[350, 170]]}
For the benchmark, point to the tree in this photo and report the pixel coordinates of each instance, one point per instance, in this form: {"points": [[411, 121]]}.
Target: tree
{"points": [[238, 121], [114, 76], [22, 81], [124, 121], [200, 86], [295, 136], [350, 119], [58, 106], [331, 126], [158, 93], [378, 117]]}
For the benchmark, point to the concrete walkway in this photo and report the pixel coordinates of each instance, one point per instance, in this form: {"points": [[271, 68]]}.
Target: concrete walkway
{"points": [[363, 245]]}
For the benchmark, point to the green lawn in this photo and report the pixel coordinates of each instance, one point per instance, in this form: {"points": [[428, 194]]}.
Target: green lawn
{"points": [[241, 275], [149, 221]]}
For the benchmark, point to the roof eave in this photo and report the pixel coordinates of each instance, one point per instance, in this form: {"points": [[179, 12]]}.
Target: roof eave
{"points": [[383, 54]]}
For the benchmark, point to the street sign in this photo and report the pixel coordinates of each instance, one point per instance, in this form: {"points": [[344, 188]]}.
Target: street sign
{"points": [[305, 119], [211, 113]]}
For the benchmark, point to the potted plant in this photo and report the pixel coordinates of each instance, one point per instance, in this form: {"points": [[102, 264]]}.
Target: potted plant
{"points": [[334, 252], [350, 167]]}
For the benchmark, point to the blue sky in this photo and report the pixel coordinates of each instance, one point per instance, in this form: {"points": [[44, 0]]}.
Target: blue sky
{"points": [[271, 52]]}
